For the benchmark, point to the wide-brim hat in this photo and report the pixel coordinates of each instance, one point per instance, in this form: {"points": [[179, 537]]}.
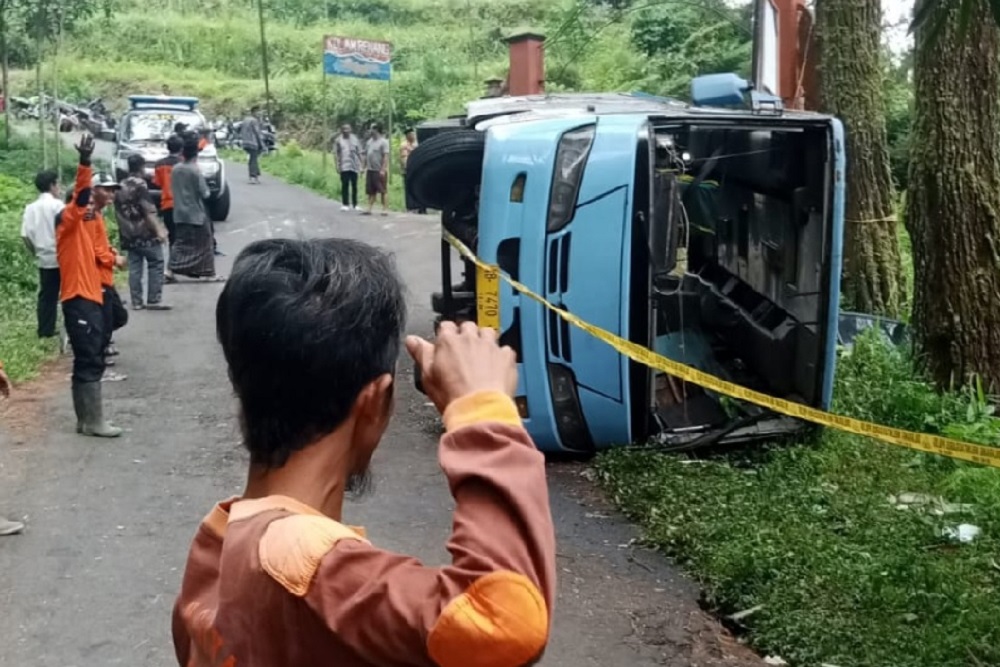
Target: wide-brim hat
{"points": [[103, 180]]}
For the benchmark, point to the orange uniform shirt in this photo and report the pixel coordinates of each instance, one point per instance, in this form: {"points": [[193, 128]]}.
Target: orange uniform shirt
{"points": [[273, 583], [103, 252], [78, 272], [161, 179]]}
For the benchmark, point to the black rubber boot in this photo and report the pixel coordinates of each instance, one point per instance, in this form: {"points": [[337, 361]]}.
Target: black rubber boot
{"points": [[93, 411], [78, 406]]}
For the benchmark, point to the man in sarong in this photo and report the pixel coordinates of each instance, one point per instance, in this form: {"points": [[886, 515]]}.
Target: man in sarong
{"points": [[193, 253]]}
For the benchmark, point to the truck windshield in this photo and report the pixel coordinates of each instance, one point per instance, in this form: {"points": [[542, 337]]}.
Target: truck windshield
{"points": [[157, 125]]}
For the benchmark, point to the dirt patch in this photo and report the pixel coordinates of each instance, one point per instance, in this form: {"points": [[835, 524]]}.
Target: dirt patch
{"points": [[22, 415]]}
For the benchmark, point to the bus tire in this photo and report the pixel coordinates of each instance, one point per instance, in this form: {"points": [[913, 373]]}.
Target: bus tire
{"points": [[445, 171]]}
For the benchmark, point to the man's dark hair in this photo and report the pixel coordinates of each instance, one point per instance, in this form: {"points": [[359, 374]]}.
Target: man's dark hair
{"points": [[254, 110], [190, 148], [179, 127], [135, 163], [174, 144], [305, 326], [377, 127], [44, 180]]}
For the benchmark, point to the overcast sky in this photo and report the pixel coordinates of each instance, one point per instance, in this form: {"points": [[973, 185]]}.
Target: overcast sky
{"points": [[896, 14]]}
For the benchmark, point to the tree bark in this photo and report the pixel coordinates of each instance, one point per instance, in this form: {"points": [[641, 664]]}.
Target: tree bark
{"points": [[851, 87], [953, 205]]}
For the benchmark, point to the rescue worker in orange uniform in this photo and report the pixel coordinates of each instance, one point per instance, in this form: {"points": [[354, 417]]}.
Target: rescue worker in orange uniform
{"points": [[80, 289], [275, 578], [108, 259], [161, 179]]}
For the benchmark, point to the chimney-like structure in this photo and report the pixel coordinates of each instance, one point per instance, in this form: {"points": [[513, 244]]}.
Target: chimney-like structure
{"points": [[527, 63]]}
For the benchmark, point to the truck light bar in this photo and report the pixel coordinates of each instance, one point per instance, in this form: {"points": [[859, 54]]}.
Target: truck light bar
{"points": [[162, 102]]}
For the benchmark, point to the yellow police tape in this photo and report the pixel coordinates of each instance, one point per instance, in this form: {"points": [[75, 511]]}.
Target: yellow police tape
{"points": [[489, 315]]}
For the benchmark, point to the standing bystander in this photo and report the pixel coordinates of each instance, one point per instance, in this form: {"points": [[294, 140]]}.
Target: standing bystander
{"points": [[192, 254], [38, 229], [405, 149], [80, 292], [142, 236], [275, 578], [108, 259], [347, 156], [161, 179], [377, 169]]}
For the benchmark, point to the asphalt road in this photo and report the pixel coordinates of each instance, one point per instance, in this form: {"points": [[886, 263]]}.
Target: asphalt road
{"points": [[92, 580]]}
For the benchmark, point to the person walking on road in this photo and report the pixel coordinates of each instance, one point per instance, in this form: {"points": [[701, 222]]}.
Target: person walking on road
{"points": [[142, 235], [275, 577], [7, 527], [38, 229], [377, 169], [253, 142], [81, 294], [347, 156], [405, 149], [193, 253]]}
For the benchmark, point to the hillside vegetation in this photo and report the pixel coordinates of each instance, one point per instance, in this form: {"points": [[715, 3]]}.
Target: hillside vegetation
{"points": [[443, 52]]}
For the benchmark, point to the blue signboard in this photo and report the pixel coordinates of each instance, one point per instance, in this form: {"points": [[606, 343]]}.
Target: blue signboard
{"points": [[357, 58]]}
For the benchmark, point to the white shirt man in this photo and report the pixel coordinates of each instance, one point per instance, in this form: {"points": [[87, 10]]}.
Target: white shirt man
{"points": [[38, 229]]}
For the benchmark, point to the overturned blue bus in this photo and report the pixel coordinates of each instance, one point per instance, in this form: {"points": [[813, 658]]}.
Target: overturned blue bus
{"points": [[709, 232]]}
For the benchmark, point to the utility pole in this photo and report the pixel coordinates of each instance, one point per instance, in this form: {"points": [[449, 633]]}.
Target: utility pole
{"points": [[263, 57], [39, 21], [55, 86]]}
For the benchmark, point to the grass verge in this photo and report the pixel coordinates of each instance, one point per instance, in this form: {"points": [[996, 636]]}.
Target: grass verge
{"points": [[810, 537]]}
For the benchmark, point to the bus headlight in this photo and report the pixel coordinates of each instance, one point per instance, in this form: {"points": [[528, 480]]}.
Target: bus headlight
{"points": [[570, 424], [571, 158]]}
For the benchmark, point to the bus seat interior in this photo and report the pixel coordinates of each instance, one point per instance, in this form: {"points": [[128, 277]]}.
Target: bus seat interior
{"points": [[737, 242]]}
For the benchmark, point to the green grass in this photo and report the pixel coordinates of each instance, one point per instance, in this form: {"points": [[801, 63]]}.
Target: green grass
{"points": [[808, 532], [299, 166], [20, 349]]}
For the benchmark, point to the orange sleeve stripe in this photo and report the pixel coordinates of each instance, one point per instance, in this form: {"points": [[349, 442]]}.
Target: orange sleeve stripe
{"points": [[484, 406], [499, 621]]}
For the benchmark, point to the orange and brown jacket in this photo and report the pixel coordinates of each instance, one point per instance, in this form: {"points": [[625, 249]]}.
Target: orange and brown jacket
{"points": [[271, 582], [79, 275]]}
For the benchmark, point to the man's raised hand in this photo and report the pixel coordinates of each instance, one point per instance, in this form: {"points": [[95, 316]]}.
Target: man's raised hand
{"points": [[461, 361], [86, 146]]}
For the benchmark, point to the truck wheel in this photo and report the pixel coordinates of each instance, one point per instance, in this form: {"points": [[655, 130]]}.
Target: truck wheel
{"points": [[445, 170], [219, 209]]}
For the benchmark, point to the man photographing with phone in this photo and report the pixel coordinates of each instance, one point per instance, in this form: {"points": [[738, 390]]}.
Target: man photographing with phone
{"points": [[311, 332]]}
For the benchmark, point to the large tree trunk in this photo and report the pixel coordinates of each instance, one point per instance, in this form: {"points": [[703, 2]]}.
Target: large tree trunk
{"points": [[851, 89], [954, 199]]}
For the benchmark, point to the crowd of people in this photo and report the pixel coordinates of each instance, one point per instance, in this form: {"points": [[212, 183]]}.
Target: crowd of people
{"points": [[77, 262], [370, 157], [273, 576]]}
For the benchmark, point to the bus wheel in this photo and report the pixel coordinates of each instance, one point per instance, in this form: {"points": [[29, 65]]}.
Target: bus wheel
{"points": [[445, 170]]}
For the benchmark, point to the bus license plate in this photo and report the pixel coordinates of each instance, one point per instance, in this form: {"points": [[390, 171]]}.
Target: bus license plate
{"points": [[488, 298]]}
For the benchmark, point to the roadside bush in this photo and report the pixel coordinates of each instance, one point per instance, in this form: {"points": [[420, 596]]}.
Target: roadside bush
{"points": [[20, 349]]}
